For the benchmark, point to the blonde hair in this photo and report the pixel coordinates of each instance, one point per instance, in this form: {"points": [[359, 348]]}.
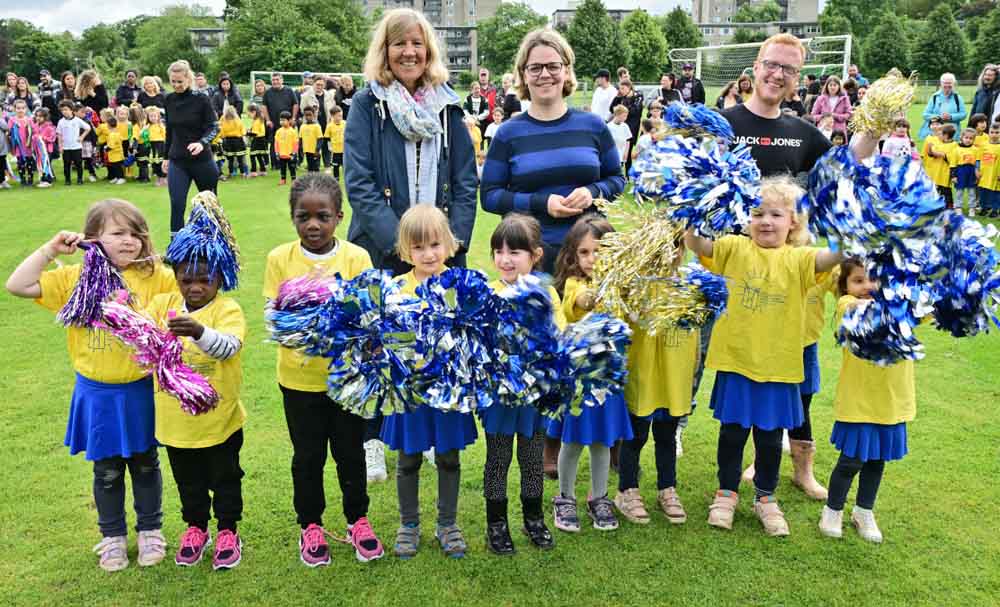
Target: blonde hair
{"points": [[423, 224], [126, 214], [152, 111], [231, 113], [181, 67], [620, 109], [105, 114], [785, 39], [149, 79], [784, 191], [86, 83], [137, 115], [554, 40], [392, 28]]}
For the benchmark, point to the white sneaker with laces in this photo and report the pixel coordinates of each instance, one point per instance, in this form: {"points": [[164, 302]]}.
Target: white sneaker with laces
{"points": [[864, 520], [375, 461]]}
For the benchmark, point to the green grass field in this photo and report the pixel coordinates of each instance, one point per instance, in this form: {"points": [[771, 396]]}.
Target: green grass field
{"points": [[937, 507]]}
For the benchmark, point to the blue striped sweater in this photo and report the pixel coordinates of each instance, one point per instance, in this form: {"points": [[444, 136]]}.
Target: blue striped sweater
{"points": [[530, 159]]}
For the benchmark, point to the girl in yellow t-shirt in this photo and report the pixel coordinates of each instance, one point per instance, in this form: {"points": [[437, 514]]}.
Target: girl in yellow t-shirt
{"points": [[316, 424], [756, 346], [111, 411], [598, 428], [872, 406], [426, 242], [258, 142], [233, 146]]}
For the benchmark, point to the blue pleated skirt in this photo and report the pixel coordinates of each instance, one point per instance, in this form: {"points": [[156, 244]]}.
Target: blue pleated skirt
{"points": [[109, 420], [499, 419], [420, 429], [766, 405], [604, 424], [870, 441], [810, 364]]}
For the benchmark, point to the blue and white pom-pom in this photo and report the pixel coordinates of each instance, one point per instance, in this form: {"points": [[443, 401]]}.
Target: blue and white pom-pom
{"points": [[698, 120], [292, 318], [967, 292], [881, 330], [207, 238], [528, 338], [457, 339]]}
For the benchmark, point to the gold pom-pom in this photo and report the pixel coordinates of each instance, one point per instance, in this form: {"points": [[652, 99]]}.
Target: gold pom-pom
{"points": [[886, 101]]}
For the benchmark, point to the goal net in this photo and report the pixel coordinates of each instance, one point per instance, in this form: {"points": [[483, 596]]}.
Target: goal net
{"points": [[717, 65]]}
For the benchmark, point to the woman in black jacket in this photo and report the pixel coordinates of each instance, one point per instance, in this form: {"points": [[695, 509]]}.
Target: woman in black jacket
{"points": [[150, 94], [191, 126], [90, 91], [226, 93], [633, 102]]}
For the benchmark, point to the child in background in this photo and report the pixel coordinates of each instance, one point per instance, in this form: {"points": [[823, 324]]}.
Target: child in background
{"points": [[838, 138], [598, 428], [316, 424], [491, 130], [204, 450], [258, 142], [4, 150], [964, 161], [286, 146], [477, 142], [757, 388], [233, 144], [655, 111], [899, 144], [22, 132], [102, 131], [220, 155], [981, 124], [335, 134], [140, 141], [426, 241], [88, 149], [937, 148], [620, 131], [45, 132], [871, 409], [649, 128], [71, 131], [116, 155], [825, 125], [111, 411], [989, 174], [310, 133], [157, 135], [517, 250], [125, 132]]}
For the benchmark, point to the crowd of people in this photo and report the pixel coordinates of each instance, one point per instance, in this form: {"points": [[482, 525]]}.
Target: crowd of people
{"points": [[414, 175]]}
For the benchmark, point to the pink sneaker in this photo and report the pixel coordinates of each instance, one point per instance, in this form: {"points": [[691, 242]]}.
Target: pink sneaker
{"points": [[228, 550], [366, 545], [313, 548], [192, 547]]}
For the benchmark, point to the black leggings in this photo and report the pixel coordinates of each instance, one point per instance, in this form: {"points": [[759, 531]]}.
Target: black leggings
{"points": [[180, 174], [500, 453], [843, 476], [665, 445], [805, 431], [767, 461], [945, 192]]}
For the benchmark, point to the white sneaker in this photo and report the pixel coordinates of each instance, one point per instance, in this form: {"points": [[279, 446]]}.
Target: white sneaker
{"points": [[44, 184], [429, 456], [786, 445], [864, 520], [831, 522], [92, 179], [375, 461], [677, 438], [4, 185]]}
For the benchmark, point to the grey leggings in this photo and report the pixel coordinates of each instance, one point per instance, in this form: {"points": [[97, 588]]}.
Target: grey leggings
{"points": [[600, 463], [449, 470], [500, 452]]}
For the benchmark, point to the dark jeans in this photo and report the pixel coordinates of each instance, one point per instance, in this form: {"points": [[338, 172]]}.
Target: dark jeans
{"points": [[73, 158], [180, 173], [767, 443], [843, 476], [147, 492], [287, 165], [214, 469], [315, 424], [805, 431], [665, 444]]}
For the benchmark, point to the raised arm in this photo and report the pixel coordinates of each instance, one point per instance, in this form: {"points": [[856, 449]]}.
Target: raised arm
{"points": [[23, 282], [827, 260], [699, 245]]}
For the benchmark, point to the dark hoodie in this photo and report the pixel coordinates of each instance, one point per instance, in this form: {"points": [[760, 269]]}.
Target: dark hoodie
{"points": [[219, 97]]}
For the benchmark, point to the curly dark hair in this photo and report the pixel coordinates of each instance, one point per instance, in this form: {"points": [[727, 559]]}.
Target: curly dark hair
{"points": [[567, 264]]}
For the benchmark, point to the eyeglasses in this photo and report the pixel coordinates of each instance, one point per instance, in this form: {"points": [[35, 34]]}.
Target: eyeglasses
{"points": [[772, 66], [535, 69]]}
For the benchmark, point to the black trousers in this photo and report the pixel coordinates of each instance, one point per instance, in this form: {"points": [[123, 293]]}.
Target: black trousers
{"points": [[665, 445], [315, 424], [945, 192], [338, 161], [767, 461], [805, 431], [210, 479], [180, 173], [843, 476], [73, 158], [312, 162], [287, 165], [116, 170]]}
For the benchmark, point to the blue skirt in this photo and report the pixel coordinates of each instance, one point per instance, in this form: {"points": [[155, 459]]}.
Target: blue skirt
{"points": [[810, 364], [110, 420], [766, 405], [870, 441], [418, 430], [605, 424], [500, 419]]}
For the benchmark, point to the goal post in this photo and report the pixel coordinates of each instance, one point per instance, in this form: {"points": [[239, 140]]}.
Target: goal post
{"points": [[717, 65]]}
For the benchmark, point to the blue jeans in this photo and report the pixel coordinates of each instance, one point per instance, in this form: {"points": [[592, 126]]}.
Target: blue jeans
{"points": [[205, 174], [147, 492]]}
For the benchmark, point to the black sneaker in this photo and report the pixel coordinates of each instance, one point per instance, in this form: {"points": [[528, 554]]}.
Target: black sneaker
{"points": [[602, 512], [538, 533], [498, 538]]}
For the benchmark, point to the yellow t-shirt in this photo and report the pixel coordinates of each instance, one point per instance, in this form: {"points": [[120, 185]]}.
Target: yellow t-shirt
{"points": [[868, 393], [258, 128], [295, 369], [232, 128], [176, 428], [157, 132], [989, 167], [761, 334], [571, 290], [123, 130], [961, 155], [335, 133], [286, 142], [816, 304], [114, 143], [97, 354], [981, 140], [557, 308], [938, 169], [102, 133], [310, 133]]}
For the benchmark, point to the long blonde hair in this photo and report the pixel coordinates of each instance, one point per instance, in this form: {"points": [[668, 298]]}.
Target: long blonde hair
{"points": [[393, 27], [86, 83]]}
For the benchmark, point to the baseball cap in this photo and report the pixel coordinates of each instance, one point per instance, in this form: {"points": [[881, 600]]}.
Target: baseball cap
{"points": [[688, 66], [603, 73], [45, 73], [307, 74]]}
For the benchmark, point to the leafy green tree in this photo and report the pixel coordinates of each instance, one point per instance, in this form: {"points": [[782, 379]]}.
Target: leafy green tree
{"points": [[887, 47], [39, 50], [744, 35], [758, 12], [590, 34], [940, 47], [128, 28], [164, 39], [679, 30], [859, 16], [500, 36], [101, 40], [649, 47], [987, 46], [618, 51]]}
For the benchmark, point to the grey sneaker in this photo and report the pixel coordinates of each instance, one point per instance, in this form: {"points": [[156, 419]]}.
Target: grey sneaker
{"points": [[602, 512], [113, 553], [564, 512], [452, 541]]}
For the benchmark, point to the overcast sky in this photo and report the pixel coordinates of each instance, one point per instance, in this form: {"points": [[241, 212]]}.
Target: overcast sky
{"points": [[78, 15]]}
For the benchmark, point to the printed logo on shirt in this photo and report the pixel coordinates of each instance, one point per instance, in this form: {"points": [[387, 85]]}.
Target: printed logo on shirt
{"points": [[753, 297], [98, 340], [769, 142]]}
